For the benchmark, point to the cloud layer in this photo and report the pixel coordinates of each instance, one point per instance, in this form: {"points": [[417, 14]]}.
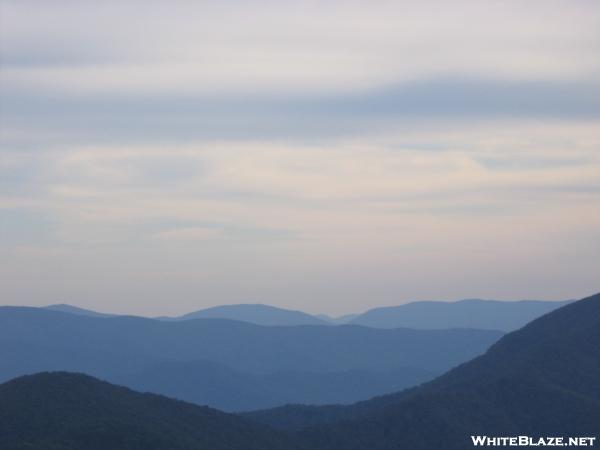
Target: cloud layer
{"points": [[323, 157]]}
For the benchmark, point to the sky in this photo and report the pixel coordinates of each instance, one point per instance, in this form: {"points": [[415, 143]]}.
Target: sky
{"points": [[330, 156]]}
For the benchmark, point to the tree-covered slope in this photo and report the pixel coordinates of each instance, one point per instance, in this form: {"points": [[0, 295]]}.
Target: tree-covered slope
{"points": [[66, 411], [543, 380]]}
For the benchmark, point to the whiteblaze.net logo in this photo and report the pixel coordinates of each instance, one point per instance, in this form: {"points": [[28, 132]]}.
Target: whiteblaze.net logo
{"points": [[527, 441]]}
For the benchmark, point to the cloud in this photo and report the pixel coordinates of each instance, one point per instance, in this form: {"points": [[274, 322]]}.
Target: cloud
{"points": [[134, 118], [186, 234], [252, 46], [298, 151], [311, 188]]}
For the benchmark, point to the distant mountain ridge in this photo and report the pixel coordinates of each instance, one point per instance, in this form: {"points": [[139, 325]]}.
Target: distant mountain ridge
{"points": [[542, 380], [425, 315], [245, 346], [63, 307], [255, 313], [113, 348], [258, 314], [217, 385], [471, 313]]}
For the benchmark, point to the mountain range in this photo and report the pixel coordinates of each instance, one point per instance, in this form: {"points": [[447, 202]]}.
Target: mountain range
{"points": [[474, 313], [542, 380], [230, 364], [210, 383]]}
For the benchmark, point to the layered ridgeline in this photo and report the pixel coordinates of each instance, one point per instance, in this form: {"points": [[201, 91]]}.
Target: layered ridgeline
{"points": [[427, 315], [252, 313], [481, 314], [543, 380], [231, 364], [210, 383], [64, 411]]}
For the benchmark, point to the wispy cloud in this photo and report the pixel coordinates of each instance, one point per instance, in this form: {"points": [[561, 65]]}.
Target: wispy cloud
{"points": [[206, 47]]}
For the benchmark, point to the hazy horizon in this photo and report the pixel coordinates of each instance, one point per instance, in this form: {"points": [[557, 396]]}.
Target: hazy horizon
{"points": [[315, 313], [162, 157]]}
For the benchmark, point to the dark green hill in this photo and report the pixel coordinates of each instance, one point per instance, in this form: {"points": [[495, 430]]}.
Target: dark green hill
{"points": [[543, 380], [66, 411]]}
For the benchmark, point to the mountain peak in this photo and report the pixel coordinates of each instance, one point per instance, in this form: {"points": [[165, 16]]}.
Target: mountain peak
{"points": [[64, 307], [256, 313]]}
